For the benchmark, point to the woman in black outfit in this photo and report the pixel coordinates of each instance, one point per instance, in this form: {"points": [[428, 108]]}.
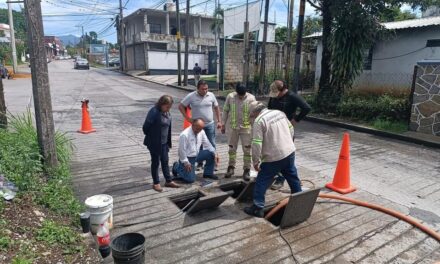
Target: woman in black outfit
{"points": [[157, 131]]}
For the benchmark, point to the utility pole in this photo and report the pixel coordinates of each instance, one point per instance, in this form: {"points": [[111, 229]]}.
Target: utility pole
{"points": [[11, 28], [302, 6], [185, 77], [246, 47], [3, 118], [82, 40], [40, 83], [122, 37], [288, 43], [263, 48], [179, 64]]}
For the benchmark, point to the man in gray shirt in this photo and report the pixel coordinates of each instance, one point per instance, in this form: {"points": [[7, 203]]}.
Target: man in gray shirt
{"points": [[203, 105]]}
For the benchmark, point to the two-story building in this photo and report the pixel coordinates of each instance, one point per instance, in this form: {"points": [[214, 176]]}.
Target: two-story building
{"points": [[151, 41]]}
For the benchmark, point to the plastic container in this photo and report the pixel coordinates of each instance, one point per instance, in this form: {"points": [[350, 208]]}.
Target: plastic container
{"points": [[100, 208], [128, 249], [85, 221], [103, 236]]}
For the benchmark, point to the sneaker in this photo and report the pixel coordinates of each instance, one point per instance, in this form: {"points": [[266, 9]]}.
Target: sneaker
{"points": [[174, 169], [229, 172], [246, 174], [212, 177], [199, 167], [254, 211], [277, 185]]}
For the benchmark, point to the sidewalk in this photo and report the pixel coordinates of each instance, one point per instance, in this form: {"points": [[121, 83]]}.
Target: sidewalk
{"points": [[168, 80]]}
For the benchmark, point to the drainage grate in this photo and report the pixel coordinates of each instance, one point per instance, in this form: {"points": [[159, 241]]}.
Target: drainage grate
{"points": [[193, 202], [297, 210]]}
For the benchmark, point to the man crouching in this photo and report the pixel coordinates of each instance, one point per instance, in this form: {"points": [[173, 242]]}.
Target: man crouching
{"points": [[273, 151]]}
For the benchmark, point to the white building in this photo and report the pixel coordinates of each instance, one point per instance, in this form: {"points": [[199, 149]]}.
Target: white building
{"points": [[151, 39], [5, 33], [389, 64]]}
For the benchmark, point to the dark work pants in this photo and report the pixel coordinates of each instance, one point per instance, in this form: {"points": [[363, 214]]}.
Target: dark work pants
{"points": [[163, 159]]}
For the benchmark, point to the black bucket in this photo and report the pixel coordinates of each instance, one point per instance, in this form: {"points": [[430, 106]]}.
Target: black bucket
{"points": [[128, 248]]}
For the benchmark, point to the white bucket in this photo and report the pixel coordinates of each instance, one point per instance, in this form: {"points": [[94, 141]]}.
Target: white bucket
{"points": [[100, 208]]}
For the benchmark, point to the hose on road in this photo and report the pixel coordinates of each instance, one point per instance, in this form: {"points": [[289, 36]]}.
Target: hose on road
{"points": [[410, 220]]}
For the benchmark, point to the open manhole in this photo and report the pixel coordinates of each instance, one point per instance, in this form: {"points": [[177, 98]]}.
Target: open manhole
{"points": [[239, 190], [193, 202]]}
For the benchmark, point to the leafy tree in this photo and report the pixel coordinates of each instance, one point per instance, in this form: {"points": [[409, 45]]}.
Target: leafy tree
{"points": [[93, 37], [396, 14], [311, 25]]}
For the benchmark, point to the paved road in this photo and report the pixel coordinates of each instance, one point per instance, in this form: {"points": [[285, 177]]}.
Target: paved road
{"points": [[404, 173], [114, 161]]}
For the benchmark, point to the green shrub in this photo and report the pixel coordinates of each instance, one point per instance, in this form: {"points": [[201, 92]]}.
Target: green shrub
{"points": [[369, 108], [21, 163], [20, 159]]}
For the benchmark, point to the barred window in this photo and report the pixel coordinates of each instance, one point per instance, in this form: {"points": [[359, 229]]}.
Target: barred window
{"points": [[368, 59]]}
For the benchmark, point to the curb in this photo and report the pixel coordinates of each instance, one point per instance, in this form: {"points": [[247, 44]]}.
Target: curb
{"points": [[373, 131]]}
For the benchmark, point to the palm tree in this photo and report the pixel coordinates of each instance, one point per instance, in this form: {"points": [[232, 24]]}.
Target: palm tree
{"points": [[216, 27]]}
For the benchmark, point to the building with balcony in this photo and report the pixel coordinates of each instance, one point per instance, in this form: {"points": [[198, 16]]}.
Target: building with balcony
{"points": [[151, 41]]}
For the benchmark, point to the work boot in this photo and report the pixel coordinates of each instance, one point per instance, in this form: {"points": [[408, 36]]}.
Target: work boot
{"points": [[277, 185], [157, 188], [212, 177], [246, 174], [229, 172], [254, 211]]}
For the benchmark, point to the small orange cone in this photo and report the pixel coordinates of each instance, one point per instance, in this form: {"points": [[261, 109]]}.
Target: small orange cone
{"points": [[185, 122], [86, 125], [341, 179]]}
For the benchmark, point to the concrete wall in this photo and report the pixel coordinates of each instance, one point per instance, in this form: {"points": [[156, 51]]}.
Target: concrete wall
{"points": [[425, 110], [167, 61], [394, 59]]}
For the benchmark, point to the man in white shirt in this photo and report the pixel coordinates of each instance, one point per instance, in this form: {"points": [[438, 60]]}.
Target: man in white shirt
{"points": [[190, 142]]}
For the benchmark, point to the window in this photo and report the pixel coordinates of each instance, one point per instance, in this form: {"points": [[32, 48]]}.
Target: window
{"points": [[157, 46], [368, 59], [155, 28], [433, 43]]}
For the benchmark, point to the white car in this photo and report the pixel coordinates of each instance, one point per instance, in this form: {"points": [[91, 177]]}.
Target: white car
{"points": [[81, 64]]}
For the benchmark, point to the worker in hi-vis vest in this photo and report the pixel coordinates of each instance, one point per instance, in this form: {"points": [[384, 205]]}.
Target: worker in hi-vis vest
{"points": [[236, 122]]}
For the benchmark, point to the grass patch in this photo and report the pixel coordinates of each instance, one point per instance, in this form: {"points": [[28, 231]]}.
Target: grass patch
{"points": [[53, 231], [390, 126], [209, 78]]}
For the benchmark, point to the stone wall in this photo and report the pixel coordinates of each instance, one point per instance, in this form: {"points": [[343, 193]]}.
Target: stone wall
{"points": [[275, 59], [234, 51], [425, 110]]}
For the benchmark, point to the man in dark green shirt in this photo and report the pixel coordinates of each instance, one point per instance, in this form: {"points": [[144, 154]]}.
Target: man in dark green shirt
{"points": [[280, 98]]}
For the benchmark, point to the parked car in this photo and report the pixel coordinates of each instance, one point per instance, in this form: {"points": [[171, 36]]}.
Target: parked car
{"points": [[4, 72], [114, 62], [81, 64]]}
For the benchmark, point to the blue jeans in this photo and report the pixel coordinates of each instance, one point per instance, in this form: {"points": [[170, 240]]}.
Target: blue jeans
{"points": [[204, 155], [163, 159], [268, 170], [210, 133]]}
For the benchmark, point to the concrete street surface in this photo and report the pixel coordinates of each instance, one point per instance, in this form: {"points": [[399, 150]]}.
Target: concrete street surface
{"points": [[405, 174]]}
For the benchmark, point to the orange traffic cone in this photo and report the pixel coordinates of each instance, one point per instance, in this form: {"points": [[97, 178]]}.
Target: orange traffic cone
{"points": [[341, 179], [185, 122], [86, 125]]}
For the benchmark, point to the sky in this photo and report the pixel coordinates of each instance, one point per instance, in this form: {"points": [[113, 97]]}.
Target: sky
{"points": [[64, 17]]}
